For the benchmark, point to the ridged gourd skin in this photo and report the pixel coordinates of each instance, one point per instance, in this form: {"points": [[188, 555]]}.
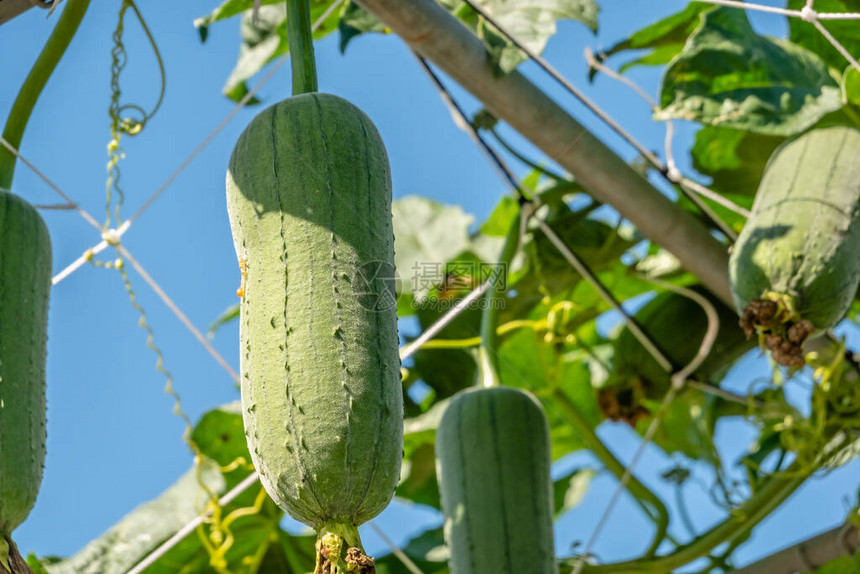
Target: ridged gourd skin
{"points": [[803, 237], [309, 200], [25, 283], [493, 464]]}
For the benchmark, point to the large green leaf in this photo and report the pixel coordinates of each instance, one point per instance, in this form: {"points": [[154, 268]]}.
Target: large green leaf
{"points": [[847, 32], [729, 76], [527, 360], [143, 529], [662, 40], [221, 439], [263, 38], [531, 22], [733, 159], [427, 235]]}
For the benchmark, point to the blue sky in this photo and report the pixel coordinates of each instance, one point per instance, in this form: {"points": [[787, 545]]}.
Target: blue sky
{"points": [[113, 441]]}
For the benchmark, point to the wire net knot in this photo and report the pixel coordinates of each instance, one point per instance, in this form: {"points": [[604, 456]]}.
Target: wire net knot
{"points": [[808, 14], [111, 237]]}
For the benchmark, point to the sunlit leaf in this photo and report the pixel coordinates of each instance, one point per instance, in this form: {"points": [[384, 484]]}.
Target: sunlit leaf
{"points": [[729, 76], [530, 22], [143, 529], [662, 40], [733, 159], [570, 489]]}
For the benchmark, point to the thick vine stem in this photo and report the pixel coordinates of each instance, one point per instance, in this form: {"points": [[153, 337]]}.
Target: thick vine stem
{"points": [[32, 87], [488, 360], [339, 551], [766, 499], [11, 561], [301, 43]]}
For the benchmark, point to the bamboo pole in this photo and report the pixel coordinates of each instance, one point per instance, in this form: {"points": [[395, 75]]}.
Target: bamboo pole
{"points": [[809, 554], [438, 36]]}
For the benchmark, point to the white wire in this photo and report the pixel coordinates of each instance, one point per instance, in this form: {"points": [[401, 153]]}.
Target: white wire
{"points": [[410, 565], [808, 14], [410, 348], [83, 213], [193, 155], [168, 544], [179, 314], [757, 7], [405, 351], [836, 44], [679, 379]]}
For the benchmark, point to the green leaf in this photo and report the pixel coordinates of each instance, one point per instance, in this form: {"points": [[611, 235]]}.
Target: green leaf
{"points": [[500, 220], [427, 551], [418, 475], [686, 426], [531, 22], [229, 315], [847, 32], [356, 21], [427, 234], [729, 76], [841, 565], [256, 536], [733, 159], [597, 243], [527, 360], [220, 434], [851, 86], [227, 9], [447, 371], [143, 529], [570, 489], [662, 40], [263, 40]]}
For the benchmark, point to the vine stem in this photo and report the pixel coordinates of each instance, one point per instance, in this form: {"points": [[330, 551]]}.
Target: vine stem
{"points": [[488, 359], [766, 499], [35, 81], [301, 43]]}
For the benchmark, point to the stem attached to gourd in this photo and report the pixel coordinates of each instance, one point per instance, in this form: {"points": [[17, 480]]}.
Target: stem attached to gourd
{"points": [[25, 101], [301, 43], [332, 544]]}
